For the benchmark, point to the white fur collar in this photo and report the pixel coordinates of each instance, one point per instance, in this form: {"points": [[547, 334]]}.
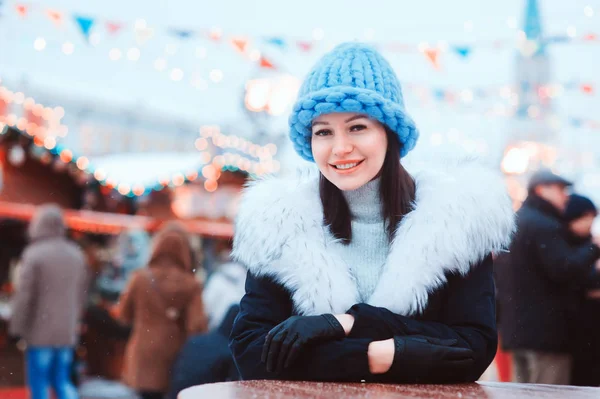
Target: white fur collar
{"points": [[462, 213]]}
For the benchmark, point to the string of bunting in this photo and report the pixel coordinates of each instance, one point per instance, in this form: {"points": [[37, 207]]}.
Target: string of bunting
{"points": [[86, 25], [242, 43], [469, 94]]}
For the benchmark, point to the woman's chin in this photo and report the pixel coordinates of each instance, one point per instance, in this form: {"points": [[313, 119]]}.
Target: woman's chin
{"points": [[349, 183]]}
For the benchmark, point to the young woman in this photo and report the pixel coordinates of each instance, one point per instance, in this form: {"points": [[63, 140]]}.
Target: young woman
{"points": [[163, 304], [367, 273]]}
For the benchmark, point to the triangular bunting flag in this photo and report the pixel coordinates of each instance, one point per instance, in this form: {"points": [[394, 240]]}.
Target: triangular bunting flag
{"points": [[463, 51], [113, 27], [432, 55], [304, 46], [590, 37], [182, 34], [277, 41], [240, 44], [55, 16], [587, 88], [85, 24], [22, 10], [264, 63], [215, 34]]}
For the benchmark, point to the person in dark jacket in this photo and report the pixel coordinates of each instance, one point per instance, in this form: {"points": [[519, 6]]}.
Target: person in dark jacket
{"points": [[205, 358], [367, 272], [535, 284], [585, 323]]}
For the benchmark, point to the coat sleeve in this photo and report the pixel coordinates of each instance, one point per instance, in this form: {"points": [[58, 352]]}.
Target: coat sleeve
{"points": [[127, 302], [267, 304], [469, 316], [195, 317], [24, 300], [562, 263]]}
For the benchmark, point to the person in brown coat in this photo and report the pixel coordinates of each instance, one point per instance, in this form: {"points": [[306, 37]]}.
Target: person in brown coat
{"points": [[48, 303], [163, 303]]}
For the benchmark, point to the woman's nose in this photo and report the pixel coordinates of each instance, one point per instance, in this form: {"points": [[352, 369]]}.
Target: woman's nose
{"points": [[342, 145]]}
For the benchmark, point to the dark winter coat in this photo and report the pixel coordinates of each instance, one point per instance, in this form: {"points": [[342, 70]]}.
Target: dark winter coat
{"points": [[536, 280], [584, 324], [205, 358], [437, 280]]}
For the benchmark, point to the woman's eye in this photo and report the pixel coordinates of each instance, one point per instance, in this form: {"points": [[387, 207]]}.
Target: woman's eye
{"points": [[322, 132], [357, 128]]}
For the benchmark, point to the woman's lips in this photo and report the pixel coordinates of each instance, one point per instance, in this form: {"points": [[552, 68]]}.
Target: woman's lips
{"points": [[348, 170]]}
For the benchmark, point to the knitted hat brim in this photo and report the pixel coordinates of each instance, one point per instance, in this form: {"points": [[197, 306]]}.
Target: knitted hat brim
{"points": [[341, 99]]}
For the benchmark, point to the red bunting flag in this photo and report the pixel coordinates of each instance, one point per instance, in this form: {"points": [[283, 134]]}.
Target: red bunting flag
{"points": [[215, 34], [432, 55], [590, 37], [264, 63], [55, 16], [304, 46], [240, 44], [22, 10], [113, 27], [587, 88]]}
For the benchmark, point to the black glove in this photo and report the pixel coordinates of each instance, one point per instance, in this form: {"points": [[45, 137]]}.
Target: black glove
{"points": [[284, 341], [418, 357]]}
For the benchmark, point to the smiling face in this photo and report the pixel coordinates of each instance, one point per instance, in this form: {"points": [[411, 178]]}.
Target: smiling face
{"points": [[348, 148]]}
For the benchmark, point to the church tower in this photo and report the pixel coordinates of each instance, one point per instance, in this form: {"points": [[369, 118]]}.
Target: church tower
{"points": [[532, 75]]}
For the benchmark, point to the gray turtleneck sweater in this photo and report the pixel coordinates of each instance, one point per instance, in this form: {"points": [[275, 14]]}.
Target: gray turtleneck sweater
{"points": [[367, 252]]}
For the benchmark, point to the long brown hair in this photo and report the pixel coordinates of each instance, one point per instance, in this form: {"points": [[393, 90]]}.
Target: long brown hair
{"points": [[397, 192]]}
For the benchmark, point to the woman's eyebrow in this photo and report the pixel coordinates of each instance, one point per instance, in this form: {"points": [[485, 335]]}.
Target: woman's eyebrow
{"points": [[320, 123], [355, 117]]}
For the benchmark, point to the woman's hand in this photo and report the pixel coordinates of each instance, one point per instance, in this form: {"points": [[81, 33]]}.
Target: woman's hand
{"points": [[381, 356], [284, 341]]}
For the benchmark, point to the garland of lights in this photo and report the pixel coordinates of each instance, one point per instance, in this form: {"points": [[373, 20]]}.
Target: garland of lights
{"points": [[43, 138]]}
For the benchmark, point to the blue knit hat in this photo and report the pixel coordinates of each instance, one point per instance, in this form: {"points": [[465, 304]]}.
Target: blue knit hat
{"points": [[353, 77]]}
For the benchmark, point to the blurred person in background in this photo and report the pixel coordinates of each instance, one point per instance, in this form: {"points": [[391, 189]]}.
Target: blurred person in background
{"points": [[535, 280], [585, 325], [205, 358], [48, 303], [163, 303], [224, 288], [132, 248]]}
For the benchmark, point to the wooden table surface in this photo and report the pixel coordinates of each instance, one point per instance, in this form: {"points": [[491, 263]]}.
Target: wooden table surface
{"points": [[293, 389]]}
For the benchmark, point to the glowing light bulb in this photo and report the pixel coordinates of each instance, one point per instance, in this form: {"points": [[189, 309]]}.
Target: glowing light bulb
{"points": [[176, 74], [39, 44], [216, 75], [115, 54], [133, 54], [68, 48]]}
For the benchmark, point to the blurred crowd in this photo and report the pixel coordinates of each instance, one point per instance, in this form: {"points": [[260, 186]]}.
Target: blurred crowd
{"points": [[154, 302], [548, 287], [172, 316]]}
